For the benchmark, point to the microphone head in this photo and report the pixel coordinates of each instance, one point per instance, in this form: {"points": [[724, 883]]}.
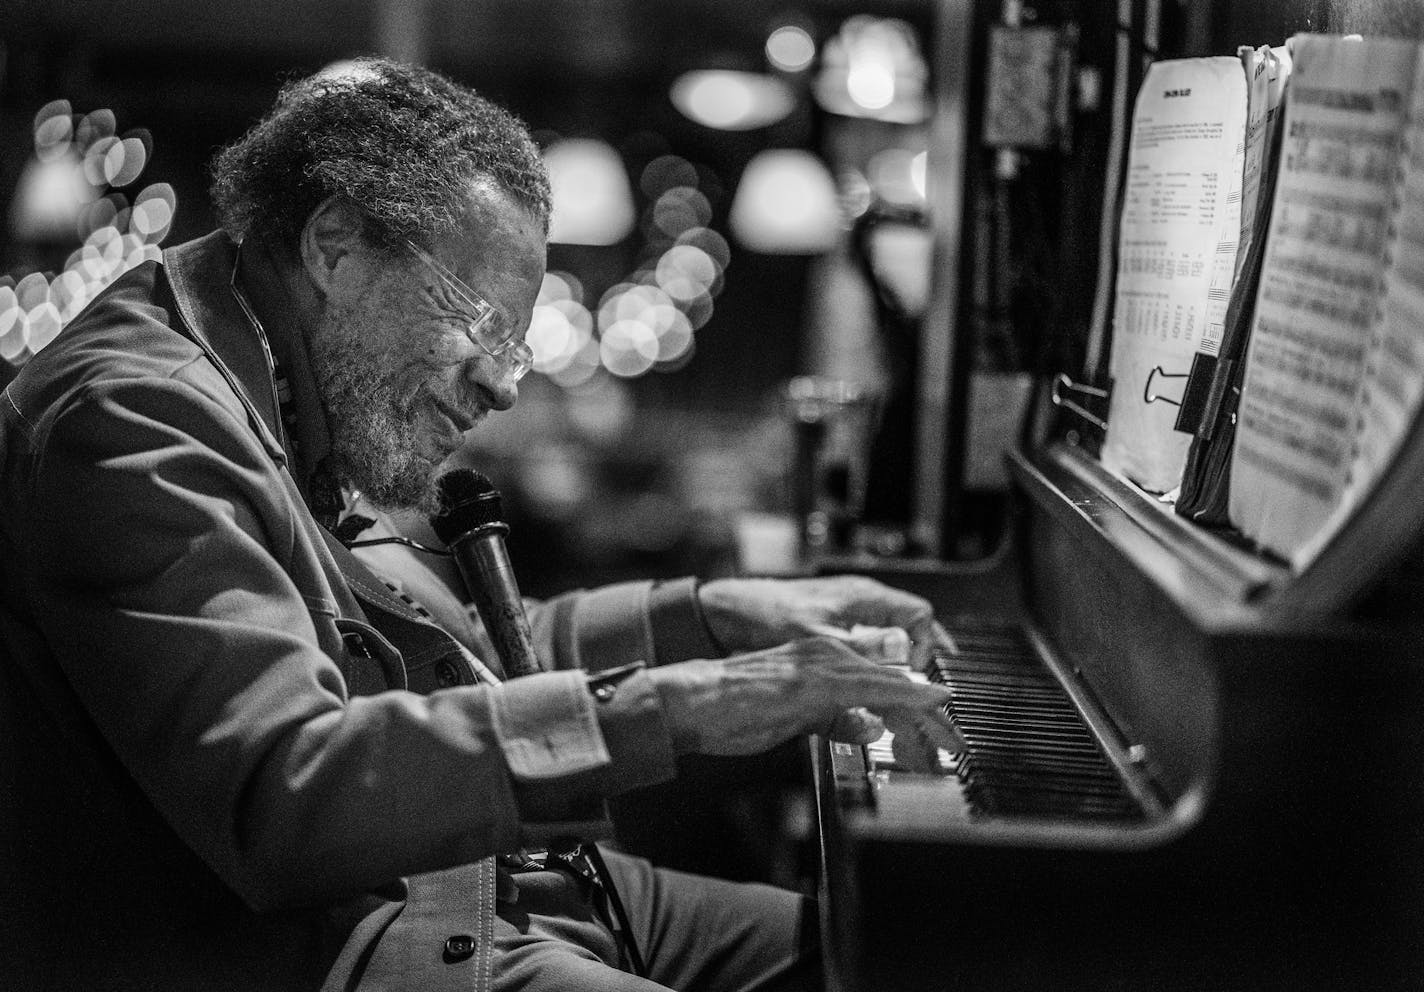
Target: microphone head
{"points": [[467, 500]]}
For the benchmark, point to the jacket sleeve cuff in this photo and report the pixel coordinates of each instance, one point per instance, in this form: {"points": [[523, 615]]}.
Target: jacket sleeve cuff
{"points": [[546, 726], [678, 628], [638, 751], [609, 626], [655, 622]]}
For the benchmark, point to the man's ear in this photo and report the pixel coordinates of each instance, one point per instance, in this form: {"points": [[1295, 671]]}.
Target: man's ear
{"points": [[333, 231]]}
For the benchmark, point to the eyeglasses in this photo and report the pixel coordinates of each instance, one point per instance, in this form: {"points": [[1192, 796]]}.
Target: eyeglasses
{"points": [[486, 328]]}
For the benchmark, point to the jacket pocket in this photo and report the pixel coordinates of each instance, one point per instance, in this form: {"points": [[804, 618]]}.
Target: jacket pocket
{"points": [[368, 661]]}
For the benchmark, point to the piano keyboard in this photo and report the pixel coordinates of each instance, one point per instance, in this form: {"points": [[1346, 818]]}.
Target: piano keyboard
{"points": [[1028, 752]]}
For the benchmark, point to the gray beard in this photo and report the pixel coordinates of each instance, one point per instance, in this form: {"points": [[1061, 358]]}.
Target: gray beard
{"points": [[373, 435]]}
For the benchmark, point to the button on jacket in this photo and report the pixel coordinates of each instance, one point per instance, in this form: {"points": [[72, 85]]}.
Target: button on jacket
{"points": [[205, 781]]}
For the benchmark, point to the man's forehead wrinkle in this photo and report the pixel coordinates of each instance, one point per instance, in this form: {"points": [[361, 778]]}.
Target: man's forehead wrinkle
{"points": [[493, 229]]}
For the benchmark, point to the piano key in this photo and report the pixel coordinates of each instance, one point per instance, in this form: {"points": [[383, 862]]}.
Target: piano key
{"points": [[1028, 751]]}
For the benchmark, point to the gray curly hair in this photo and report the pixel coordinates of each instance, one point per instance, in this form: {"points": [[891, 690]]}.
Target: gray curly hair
{"points": [[401, 142]]}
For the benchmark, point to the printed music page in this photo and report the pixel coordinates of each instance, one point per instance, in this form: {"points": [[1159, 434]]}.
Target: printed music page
{"points": [[1176, 256], [1267, 70], [1300, 426], [1393, 378]]}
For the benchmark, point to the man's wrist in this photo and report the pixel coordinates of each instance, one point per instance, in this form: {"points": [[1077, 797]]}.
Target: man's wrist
{"points": [[679, 689]]}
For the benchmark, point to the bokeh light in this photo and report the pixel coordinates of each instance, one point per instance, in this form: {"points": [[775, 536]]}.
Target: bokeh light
{"points": [[667, 172], [713, 244], [699, 312], [628, 348], [679, 209], [790, 48], [730, 100], [919, 172], [153, 212], [13, 336], [786, 204], [686, 272], [95, 126], [593, 202], [646, 321], [561, 332], [675, 341], [874, 68], [62, 195], [54, 130], [897, 175], [49, 196], [871, 84]]}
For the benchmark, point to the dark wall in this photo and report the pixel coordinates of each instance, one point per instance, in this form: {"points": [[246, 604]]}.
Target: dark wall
{"points": [[1263, 22], [1260, 21]]}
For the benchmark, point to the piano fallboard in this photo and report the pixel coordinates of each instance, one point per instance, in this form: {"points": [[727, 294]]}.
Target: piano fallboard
{"points": [[1271, 833]]}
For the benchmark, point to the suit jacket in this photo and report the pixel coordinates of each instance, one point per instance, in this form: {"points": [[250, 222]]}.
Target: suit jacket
{"points": [[210, 776]]}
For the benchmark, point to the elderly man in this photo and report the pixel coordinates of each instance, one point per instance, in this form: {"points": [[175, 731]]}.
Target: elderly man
{"points": [[233, 758]]}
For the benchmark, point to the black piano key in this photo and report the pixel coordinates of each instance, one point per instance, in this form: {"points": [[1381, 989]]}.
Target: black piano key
{"points": [[1019, 720], [1002, 715]]}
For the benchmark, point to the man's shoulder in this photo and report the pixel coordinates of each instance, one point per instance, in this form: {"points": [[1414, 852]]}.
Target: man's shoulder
{"points": [[128, 332]]}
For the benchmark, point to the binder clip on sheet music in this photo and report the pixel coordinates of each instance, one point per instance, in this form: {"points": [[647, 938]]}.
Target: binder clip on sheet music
{"points": [[1177, 248]]}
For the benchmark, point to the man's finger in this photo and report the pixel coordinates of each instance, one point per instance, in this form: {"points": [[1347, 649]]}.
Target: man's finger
{"points": [[895, 690], [857, 726], [916, 752], [926, 638], [933, 724], [882, 645]]}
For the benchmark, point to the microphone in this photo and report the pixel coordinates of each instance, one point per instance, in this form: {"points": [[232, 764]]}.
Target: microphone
{"points": [[470, 522]]}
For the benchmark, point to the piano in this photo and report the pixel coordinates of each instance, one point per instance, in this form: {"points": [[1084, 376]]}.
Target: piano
{"points": [[1174, 778]]}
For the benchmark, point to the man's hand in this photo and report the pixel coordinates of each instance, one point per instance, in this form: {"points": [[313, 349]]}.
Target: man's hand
{"points": [[749, 703], [751, 614]]}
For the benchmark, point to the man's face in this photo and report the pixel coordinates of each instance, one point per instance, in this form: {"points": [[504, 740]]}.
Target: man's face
{"points": [[400, 379]]}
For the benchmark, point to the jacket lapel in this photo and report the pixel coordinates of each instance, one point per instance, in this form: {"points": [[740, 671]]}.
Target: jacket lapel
{"points": [[199, 273]]}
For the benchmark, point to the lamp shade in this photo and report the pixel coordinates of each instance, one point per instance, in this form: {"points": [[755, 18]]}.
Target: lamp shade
{"points": [[786, 204], [593, 202], [49, 199], [874, 68], [731, 100]]}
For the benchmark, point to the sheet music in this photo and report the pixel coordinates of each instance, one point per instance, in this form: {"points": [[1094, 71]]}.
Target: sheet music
{"points": [[1393, 378], [1298, 418], [1267, 70], [1177, 254]]}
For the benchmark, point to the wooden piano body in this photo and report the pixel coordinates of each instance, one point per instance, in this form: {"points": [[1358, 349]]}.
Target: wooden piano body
{"points": [[1281, 757]]}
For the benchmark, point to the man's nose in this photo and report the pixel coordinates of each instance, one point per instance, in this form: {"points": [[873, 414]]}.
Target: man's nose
{"points": [[496, 389]]}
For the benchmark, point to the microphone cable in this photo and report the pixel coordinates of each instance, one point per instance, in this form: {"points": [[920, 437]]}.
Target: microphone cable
{"points": [[610, 891]]}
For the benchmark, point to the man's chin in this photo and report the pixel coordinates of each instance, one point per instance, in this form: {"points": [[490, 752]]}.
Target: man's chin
{"points": [[401, 497], [406, 487]]}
